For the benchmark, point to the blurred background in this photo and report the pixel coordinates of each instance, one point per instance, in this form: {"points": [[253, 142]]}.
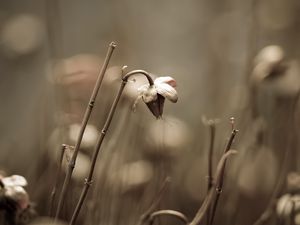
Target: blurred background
{"points": [[230, 59]]}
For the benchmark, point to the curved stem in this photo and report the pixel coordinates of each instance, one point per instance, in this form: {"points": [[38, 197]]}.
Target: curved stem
{"points": [[168, 212], [213, 191], [212, 129], [85, 120], [88, 181], [220, 182], [135, 72]]}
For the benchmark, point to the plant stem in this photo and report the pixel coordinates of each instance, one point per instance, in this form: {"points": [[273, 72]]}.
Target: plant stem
{"points": [[168, 212], [211, 195], [53, 193], [85, 120], [88, 180], [212, 129], [219, 184]]}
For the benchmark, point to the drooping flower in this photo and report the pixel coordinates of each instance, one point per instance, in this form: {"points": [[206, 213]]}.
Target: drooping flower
{"points": [[154, 95]]}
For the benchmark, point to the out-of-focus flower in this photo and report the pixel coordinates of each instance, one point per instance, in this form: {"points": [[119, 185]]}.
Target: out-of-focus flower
{"points": [[273, 72], [12, 187], [22, 34], [167, 137], [267, 62], [81, 171], [293, 182], [154, 95], [131, 176], [286, 204], [89, 137], [256, 176]]}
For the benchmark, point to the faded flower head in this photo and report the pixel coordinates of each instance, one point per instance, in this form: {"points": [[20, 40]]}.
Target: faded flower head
{"points": [[12, 188], [154, 95], [286, 204]]}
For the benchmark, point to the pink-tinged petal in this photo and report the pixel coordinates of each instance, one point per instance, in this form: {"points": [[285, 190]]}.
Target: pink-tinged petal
{"points": [[167, 91], [167, 80]]}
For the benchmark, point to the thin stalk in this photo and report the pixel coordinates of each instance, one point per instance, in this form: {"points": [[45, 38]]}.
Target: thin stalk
{"points": [[281, 181], [58, 172], [88, 180], [212, 129], [213, 191], [168, 212], [219, 184], [85, 120]]}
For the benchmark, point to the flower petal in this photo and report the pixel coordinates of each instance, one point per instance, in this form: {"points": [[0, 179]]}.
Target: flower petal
{"points": [[14, 180], [148, 93], [167, 80], [167, 91]]}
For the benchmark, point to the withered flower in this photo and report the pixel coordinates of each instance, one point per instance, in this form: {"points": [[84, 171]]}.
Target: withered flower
{"points": [[12, 187], [154, 95]]}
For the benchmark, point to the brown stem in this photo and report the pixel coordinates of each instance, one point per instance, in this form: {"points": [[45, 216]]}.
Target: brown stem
{"points": [[85, 120], [219, 184], [212, 128], [134, 72], [267, 213], [88, 180], [168, 212], [53, 193], [213, 191]]}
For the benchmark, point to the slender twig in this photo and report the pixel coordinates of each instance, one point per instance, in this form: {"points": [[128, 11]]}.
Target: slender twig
{"points": [[85, 120], [88, 180], [53, 193], [168, 212], [213, 191], [219, 184], [212, 129], [145, 216]]}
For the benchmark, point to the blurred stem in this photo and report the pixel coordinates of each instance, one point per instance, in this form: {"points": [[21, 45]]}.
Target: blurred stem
{"points": [[85, 120], [219, 184], [212, 129], [58, 172], [155, 202], [88, 180], [168, 212], [281, 181], [211, 195]]}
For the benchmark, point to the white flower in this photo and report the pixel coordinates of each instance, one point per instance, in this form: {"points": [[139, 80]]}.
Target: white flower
{"points": [[154, 95], [13, 189]]}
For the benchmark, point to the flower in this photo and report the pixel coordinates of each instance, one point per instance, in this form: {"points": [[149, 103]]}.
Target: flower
{"points": [[154, 95], [12, 188]]}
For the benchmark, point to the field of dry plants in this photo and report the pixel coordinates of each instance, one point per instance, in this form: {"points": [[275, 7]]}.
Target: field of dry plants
{"points": [[129, 112]]}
